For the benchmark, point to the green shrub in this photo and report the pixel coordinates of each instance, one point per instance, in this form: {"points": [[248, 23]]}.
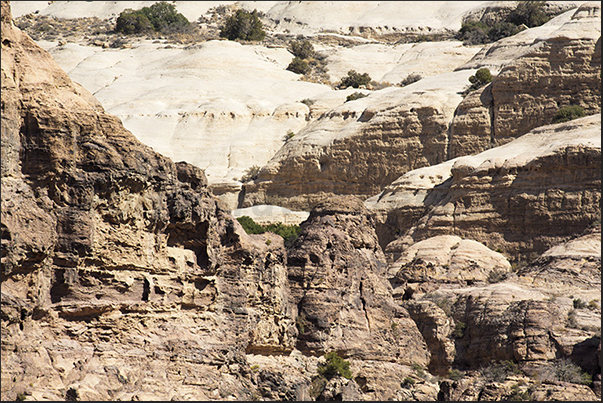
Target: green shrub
{"points": [[302, 49], [251, 173], [502, 30], [160, 17], [243, 25], [459, 330], [411, 78], [528, 13], [355, 96], [299, 65], [499, 371], [568, 113], [289, 233], [455, 374], [334, 366], [250, 226], [474, 33], [355, 80], [481, 78], [133, 22], [408, 382]]}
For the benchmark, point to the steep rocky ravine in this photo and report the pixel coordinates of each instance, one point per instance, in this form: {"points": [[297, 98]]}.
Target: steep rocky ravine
{"points": [[123, 278]]}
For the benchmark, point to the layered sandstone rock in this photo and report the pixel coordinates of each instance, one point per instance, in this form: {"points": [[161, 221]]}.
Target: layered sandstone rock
{"points": [[117, 262], [362, 145], [344, 303], [520, 198], [560, 68]]}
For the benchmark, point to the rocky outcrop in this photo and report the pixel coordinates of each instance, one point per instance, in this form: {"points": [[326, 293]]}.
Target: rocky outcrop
{"points": [[361, 146], [519, 199], [337, 270], [119, 263], [560, 69]]}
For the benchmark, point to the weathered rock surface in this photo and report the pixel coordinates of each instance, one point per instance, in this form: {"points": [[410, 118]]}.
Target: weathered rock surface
{"points": [[362, 145], [124, 279], [559, 69], [520, 198], [117, 262], [337, 275], [350, 150]]}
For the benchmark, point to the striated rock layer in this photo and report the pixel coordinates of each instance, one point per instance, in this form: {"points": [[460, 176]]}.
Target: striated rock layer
{"points": [[363, 145], [124, 279], [520, 198], [562, 68]]}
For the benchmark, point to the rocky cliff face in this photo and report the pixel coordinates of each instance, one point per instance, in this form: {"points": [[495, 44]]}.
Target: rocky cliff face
{"points": [[361, 146], [561, 70], [520, 198], [116, 260], [124, 279], [358, 149]]}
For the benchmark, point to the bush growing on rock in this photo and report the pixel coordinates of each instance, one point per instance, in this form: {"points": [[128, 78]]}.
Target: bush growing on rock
{"points": [[335, 365], [289, 233], [568, 113], [527, 14], [160, 17], [251, 173], [355, 96], [299, 65], [411, 78], [355, 80], [243, 25], [302, 49], [479, 79]]}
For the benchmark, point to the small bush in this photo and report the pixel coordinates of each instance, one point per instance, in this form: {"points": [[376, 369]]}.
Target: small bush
{"points": [[479, 79], [455, 374], [251, 173], [578, 303], [459, 330], [334, 366], [568, 113], [499, 371], [308, 102], [243, 25], [411, 78], [289, 233], [528, 13], [355, 96], [565, 370], [302, 49], [408, 382], [355, 80], [299, 66]]}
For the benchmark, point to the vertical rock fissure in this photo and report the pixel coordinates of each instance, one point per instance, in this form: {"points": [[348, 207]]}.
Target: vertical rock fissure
{"points": [[368, 321]]}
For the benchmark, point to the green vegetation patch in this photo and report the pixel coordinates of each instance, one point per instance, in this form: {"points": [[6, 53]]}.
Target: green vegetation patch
{"points": [[243, 25], [289, 233], [527, 14], [160, 17], [568, 113], [335, 365]]}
